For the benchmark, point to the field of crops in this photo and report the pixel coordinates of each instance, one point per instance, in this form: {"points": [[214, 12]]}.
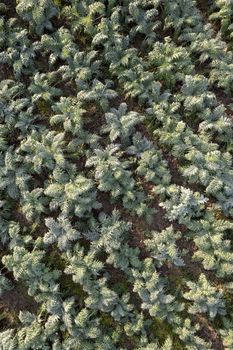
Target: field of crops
{"points": [[116, 175]]}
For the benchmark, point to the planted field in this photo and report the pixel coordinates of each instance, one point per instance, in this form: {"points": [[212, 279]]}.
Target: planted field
{"points": [[116, 175]]}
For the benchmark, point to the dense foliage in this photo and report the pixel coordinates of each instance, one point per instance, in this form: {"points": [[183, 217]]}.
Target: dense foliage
{"points": [[116, 175]]}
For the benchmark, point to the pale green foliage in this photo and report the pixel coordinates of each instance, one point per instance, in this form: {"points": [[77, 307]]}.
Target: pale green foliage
{"points": [[98, 92], [153, 167], [37, 333], [111, 173], [26, 317], [81, 15], [14, 176], [213, 250], [183, 16], [8, 340], [16, 238], [109, 233], [223, 11], [104, 299], [59, 45], [44, 151], [183, 204], [171, 63], [215, 253], [33, 203], [5, 284], [162, 246], [114, 175], [187, 333], [196, 94], [212, 169], [140, 84], [38, 13], [61, 232], [82, 267], [16, 48], [16, 109], [74, 206], [87, 323], [42, 87], [227, 335], [84, 270], [125, 258], [69, 112], [151, 289], [77, 196], [84, 67], [29, 267], [139, 144], [12, 102], [121, 124], [205, 298], [152, 346], [146, 20], [221, 73], [208, 45], [199, 102]]}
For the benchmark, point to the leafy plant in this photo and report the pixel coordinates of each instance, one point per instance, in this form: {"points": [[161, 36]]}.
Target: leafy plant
{"points": [[38, 13], [77, 196], [121, 124], [100, 92], [205, 298], [151, 289], [183, 204], [162, 246], [61, 232], [171, 63]]}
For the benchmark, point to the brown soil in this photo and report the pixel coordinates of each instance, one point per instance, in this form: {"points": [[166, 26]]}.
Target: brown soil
{"points": [[18, 300], [208, 333]]}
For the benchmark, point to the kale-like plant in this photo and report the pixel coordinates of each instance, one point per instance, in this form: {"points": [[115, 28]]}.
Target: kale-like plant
{"points": [[82, 14], [111, 173], [223, 12], [121, 124], [99, 92], [28, 266], [60, 232], [183, 204], [59, 45], [205, 298], [153, 167], [33, 204], [38, 13], [171, 63], [77, 196], [187, 332], [215, 253], [163, 248], [144, 21], [41, 87], [109, 233], [17, 50], [43, 151], [83, 267], [69, 112], [151, 289]]}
